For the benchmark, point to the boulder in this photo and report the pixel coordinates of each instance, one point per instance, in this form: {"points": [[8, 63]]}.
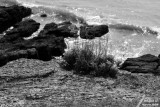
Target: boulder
{"points": [[92, 31], [65, 29], [11, 15], [144, 64]]}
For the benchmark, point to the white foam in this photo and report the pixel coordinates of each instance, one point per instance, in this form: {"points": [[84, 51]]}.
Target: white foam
{"points": [[94, 20], [31, 5], [27, 4], [157, 29]]}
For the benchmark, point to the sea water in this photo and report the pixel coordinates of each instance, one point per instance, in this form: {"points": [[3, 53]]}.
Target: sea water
{"points": [[134, 25]]}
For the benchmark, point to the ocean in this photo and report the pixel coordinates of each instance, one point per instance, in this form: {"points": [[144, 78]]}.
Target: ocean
{"points": [[134, 25]]}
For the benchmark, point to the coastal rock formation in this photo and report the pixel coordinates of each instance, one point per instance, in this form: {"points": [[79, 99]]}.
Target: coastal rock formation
{"points": [[144, 64], [49, 43], [65, 29], [22, 29], [12, 45], [92, 31], [12, 15]]}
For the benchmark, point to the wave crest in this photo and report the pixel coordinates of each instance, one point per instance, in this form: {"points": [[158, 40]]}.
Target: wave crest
{"points": [[134, 28]]}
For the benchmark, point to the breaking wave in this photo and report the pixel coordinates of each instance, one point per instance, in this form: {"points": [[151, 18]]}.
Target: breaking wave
{"points": [[134, 28]]}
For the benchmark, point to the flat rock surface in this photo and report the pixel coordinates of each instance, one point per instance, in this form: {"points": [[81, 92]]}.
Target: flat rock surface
{"points": [[26, 68]]}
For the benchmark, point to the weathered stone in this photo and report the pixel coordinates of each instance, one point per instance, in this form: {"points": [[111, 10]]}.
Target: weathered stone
{"points": [[22, 29], [48, 44], [65, 29], [147, 58], [144, 64], [11, 15], [92, 31]]}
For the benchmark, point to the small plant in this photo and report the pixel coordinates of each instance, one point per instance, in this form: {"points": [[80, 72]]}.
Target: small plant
{"points": [[90, 57], [85, 62], [69, 59]]}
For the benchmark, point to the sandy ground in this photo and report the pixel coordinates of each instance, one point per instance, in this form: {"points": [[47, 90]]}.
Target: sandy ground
{"points": [[23, 83]]}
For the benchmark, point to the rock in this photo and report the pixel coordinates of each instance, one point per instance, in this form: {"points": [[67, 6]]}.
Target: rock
{"points": [[65, 29], [144, 64], [48, 44], [92, 31], [22, 29], [43, 15], [11, 15], [157, 71], [147, 58], [46, 47], [12, 45]]}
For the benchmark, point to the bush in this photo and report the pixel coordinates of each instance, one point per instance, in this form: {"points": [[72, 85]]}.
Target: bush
{"points": [[85, 62], [70, 59]]}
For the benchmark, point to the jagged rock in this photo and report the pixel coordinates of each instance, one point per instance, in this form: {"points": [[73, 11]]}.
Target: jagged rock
{"points": [[144, 64], [11, 15], [49, 43], [22, 29], [65, 29], [12, 45], [46, 47], [92, 31]]}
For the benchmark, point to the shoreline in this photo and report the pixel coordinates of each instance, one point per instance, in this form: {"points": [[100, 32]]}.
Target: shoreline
{"points": [[42, 82], [66, 88]]}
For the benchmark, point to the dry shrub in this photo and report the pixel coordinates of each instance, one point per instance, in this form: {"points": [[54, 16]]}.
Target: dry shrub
{"points": [[85, 62], [69, 58], [90, 57]]}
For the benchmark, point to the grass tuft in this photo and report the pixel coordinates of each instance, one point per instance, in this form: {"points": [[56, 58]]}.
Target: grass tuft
{"points": [[85, 62]]}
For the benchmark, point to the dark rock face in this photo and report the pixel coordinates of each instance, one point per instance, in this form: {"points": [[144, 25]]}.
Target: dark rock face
{"points": [[12, 45], [46, 47], [65, 29], [43, 15], [11, 15], [22, 29], [49, 43], [144, 64], [92, 31]]}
